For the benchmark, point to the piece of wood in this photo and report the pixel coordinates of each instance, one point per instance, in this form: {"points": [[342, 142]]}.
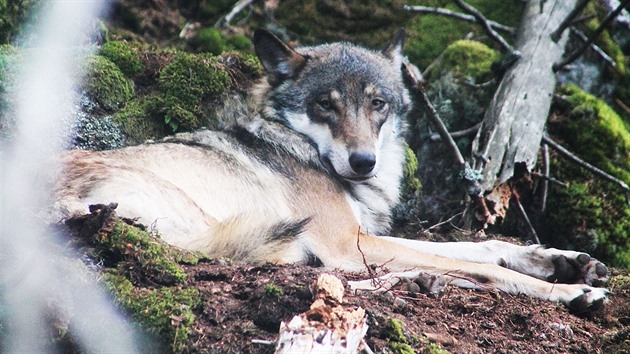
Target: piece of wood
{"points": [[328, 327], [513, 125]]}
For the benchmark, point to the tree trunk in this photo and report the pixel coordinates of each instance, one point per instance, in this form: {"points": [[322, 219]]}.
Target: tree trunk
{"points": [[513, 125]]}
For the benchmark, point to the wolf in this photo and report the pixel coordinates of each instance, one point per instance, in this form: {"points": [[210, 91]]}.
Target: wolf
{"points": [[309, 173]]}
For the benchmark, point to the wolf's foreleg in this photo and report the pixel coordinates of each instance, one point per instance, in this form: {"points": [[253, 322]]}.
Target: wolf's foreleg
{"points": [[378, 250], [548, 264]]}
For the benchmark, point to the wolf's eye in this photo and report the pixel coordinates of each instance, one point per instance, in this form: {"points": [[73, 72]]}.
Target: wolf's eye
{"points": [[378, 104], [325, 104]]}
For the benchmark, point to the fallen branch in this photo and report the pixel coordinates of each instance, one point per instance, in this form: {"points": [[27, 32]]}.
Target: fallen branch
{"points": [[457, 15], [238, 7], [567, 154], [576, 54], [458, 134], [486, 25], [532, 232], [568, 20], [594, 47]]}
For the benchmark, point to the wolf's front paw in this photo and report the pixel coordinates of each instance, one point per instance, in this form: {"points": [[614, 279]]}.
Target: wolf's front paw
{"points": [[574, 267]]}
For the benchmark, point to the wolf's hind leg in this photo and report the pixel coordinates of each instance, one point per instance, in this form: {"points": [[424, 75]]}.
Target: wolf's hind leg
{"points": [[548, 264]]}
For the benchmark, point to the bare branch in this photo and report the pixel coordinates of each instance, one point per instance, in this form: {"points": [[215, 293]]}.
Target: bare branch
{"points": [[484, 22], [594, 47], [568, 20], [532, 232], [457, 15], [238, 7], [567, 154], [576, 54], [459, 134]]}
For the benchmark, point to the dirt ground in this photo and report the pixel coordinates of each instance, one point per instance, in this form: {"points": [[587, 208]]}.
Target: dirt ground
{"points": [[242, 306], [237, 311]]}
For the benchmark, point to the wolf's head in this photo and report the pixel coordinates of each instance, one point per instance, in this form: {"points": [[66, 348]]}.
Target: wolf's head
{"points": [[349, 101]]}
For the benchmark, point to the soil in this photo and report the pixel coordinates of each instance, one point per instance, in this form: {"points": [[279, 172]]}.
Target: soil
{"points": [[237, 312]]}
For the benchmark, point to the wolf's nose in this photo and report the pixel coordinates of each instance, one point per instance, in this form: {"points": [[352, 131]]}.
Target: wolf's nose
{"points": [[362, 162]]}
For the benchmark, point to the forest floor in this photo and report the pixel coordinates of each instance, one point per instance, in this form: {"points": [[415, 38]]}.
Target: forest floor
{"points": [[242, 306]]}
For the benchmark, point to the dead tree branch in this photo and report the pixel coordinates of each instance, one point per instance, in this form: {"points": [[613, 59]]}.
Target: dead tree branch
{"points": [[486, 25], [576, 54], [238, 7], [569, 155], [458, 134], [457, 15], [569, 19], [594, 47]]}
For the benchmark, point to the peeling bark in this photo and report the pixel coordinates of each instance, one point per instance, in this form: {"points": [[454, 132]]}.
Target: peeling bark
{"points": [[513, 125]]}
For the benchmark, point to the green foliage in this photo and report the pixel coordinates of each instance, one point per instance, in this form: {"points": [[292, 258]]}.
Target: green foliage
{"points": [[106, 84], [211, 40], [13, 15], [125, 55], [591, 214], [467, 59], [165, 312]]}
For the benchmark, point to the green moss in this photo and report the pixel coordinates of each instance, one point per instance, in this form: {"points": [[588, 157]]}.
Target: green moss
{"points": [[411, 182], [155, 257], [429, 35], [596, 133], [620, 285], [166, 312], [137, 121], [467, 59], [106, 84], [125, 55], [273, 291], [590, 214], [395, 332], [211, 40], [185, 83]]}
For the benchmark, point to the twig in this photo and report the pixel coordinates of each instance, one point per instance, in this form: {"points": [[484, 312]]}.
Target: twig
{"points": [[238, 7], [457, 15], [566, 153], [484, 22], [263, 342], [545, 183], [622, 105], [444, 222], [594, 47], [555, 36], [550, 179], [576, 54], [532, 232], [422, 97], [458, 134]]}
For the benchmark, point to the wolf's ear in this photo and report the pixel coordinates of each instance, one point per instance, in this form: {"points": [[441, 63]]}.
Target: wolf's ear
{"points": [[394, 48], [279, 60]]}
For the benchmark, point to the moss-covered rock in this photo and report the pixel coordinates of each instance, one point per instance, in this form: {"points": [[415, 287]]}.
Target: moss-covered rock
{"points": [[166, 313], [211, 40], [106, 84], [590, 214], [595, 132], [185, 83], [429, 35], [158, 260], [125, 55], [466, 59]]}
